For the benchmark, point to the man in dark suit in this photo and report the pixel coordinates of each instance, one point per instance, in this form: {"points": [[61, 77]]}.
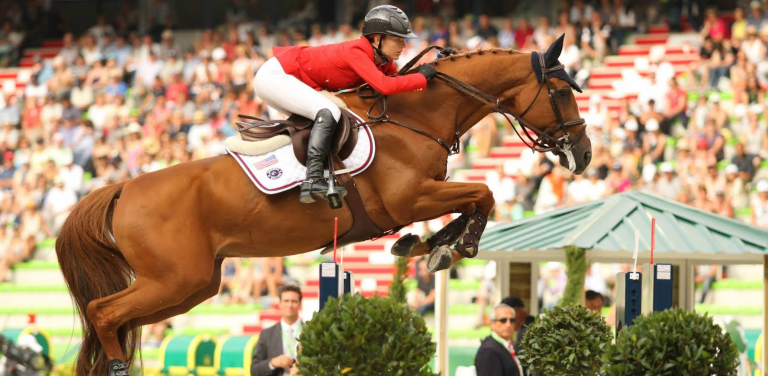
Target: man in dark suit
{"points": [[522, 318], [496, 355], [276, 349]]}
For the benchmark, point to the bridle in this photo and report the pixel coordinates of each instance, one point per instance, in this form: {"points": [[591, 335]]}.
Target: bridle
{"points": [[543, 142]]}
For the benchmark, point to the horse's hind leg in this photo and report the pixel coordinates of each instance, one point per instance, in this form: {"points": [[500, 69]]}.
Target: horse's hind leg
{"points": [[160, 283], [193, 300]]}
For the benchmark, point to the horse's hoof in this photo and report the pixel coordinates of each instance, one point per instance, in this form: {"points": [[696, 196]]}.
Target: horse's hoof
{"points": [[403, 246], [118, 368], [439, 259]]}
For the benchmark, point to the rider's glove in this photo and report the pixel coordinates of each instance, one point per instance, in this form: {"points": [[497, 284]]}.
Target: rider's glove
{"points": [[428, 71]]}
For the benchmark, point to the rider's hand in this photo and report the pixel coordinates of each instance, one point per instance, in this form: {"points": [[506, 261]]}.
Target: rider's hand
{"points": [[281, 361], [448, 51], [428, 71]]}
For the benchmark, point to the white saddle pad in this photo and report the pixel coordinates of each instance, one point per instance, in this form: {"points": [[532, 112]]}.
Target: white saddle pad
{"points": [[279, 170]]}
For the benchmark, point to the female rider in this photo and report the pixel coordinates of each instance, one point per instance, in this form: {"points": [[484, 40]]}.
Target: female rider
{"points": [[290, 81]]}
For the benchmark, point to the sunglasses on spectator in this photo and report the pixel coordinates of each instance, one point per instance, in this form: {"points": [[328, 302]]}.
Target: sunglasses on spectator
{"points": [[504, 320]]}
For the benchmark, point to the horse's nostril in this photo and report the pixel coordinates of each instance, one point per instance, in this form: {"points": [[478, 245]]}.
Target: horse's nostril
{"points": [[588, 156]]}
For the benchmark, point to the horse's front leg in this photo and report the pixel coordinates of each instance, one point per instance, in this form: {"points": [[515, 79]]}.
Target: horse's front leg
{"points": [[437, 198]]}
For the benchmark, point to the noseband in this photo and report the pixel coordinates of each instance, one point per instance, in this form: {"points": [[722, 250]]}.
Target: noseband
{"points": [[543, 142]]}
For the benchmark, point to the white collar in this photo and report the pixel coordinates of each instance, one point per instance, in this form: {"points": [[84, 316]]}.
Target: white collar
{"points": [[506, 343], [498, 338], [295, 326]]}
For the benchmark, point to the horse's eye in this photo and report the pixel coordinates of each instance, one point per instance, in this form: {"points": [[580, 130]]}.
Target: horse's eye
{"points": [[564, 92]]}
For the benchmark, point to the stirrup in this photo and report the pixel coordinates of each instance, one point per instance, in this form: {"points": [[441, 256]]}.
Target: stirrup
{"points": [[334, 196]]}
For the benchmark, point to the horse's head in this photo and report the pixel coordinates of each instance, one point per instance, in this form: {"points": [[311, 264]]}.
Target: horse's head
{"points": [[555, 114]]}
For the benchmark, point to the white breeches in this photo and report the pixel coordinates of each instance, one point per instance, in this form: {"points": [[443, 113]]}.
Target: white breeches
{"points": [[288, 94]]}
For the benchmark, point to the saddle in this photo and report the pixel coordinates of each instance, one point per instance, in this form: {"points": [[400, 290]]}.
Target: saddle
{"points": [[298, 128], [344, 141]]}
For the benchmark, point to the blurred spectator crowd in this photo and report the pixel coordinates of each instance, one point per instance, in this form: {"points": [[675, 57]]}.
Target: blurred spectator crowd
{"points": [[115, 104]]}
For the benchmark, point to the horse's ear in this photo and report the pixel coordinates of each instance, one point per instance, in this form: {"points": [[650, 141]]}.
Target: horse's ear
{"points": [[553, 53]]}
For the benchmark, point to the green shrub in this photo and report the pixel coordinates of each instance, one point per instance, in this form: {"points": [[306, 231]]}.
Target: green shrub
{"points": [[353, 335], [397, 288], [565, 341], [673, 342], [576, 271]]}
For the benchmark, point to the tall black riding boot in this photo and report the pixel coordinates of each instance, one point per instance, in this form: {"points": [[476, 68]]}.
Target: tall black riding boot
{"points": [[319, 148]]}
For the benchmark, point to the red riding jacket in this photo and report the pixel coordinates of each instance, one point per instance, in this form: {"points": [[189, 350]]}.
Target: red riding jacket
{"points": [[345, 65]]}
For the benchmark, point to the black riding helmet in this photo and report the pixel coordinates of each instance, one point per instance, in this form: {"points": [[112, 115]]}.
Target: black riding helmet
{"points": [[387, 20]]}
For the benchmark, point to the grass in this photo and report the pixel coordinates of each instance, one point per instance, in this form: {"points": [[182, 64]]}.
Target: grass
{"points": [[694, 95], [152, 353], [37, 265], [477, 334], [735, 284], [11, 287], [37, 310], [227, 309], [473, 262], [726, 310]]}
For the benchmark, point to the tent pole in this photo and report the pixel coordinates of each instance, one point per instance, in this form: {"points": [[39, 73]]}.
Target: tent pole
{"points": [[441, 317], [533, 309], [682, 285], [765, 313], [502, 279]]}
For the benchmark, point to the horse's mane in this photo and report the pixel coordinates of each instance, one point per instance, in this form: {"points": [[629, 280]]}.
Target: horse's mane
{"points": [[473, 52]]}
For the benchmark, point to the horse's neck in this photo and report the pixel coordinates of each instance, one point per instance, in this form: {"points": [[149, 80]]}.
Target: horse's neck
{"points": [[497, 74]]}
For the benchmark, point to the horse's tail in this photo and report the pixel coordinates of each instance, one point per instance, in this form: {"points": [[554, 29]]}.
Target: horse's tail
{"points": [[94, 268]]}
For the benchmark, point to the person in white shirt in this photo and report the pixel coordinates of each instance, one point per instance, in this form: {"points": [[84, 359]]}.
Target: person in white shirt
{"points": [[149, 69], [595, 188], [543, 35], [70, 50], [50, 113], [276, 349], [100, 111], [760, 205], [669, 185], [201, 129], [72, 176], [35, 89], [58, 204], [578, 190]]}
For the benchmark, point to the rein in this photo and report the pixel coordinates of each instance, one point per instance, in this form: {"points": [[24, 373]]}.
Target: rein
{"points": [[543, 142]]}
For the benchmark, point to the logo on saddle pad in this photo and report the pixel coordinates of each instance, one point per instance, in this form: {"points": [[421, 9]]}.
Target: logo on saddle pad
{"points": [[272, 159], [274, 173]]}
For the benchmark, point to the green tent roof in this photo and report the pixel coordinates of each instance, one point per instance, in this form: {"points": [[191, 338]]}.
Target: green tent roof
{"points": [[609, 225]]}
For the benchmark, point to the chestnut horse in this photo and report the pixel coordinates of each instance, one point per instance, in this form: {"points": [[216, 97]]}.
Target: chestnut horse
{"points": [[142, 251]]}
